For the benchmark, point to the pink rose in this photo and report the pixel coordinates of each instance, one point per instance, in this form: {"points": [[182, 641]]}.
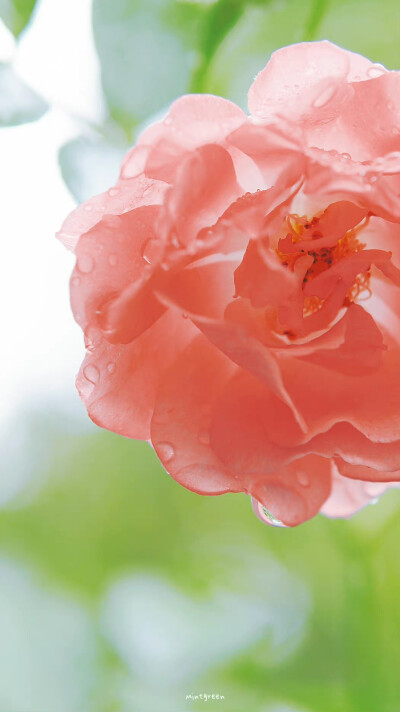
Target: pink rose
{"points": [[239, 288]]}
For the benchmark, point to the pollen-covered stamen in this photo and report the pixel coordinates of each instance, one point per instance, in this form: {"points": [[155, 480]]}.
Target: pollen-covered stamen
{"points": [[302, 229]]}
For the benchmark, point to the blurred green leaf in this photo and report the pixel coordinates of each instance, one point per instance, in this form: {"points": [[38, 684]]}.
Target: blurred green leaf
{"points": [[16, 14], [147, 51], [108, 510], [365, 26], [90, 165], [18, 103]]}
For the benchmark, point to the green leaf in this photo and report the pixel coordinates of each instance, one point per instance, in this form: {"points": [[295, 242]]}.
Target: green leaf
{"points": [[89, 165], [147, 52], [16, 14], [18, 103]]}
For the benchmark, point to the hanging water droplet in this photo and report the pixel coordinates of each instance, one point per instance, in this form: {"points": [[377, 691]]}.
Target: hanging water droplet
{"points": [[111, 367], [165, 451], [91, 373], [85, 263], [112, 260], [303, 478], [265, 515], [269, 518], [204, 437]]}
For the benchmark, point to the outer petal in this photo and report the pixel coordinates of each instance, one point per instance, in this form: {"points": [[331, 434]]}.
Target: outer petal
{"points": [[110, 260], [180, 429], [349, 496], [296, 492], [295, 76], [192, 120], [370, 402], [118, 384], [125, 196]]}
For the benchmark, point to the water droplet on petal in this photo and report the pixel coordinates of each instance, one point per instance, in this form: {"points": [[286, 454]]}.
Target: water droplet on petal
{"points": [[92, 338], [85, 263], [303, 478], [112, 260], [174, 240], [346, 156], [75, 281], [184, 316], [325, 96], [204, 437], [111, 367], [151, 250], [165, 451], [91, 373], [112, 192], [88, 207], [375, 71]]}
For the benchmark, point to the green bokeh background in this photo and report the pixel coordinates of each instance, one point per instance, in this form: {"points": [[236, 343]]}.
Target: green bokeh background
{"points": [[141, 591]]}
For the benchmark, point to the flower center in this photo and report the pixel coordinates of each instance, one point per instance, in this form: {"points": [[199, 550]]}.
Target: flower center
{"points": [[301, 230]]}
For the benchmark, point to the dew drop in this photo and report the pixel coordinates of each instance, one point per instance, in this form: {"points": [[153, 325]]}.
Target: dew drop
{"points": [[174, 240], [325, 96], [166, 451], [303, 479], [92, 374], [151, 250], [269, 518], [111, 367], [112, 260], [85, 263], [265, 515], [375, 71], [75, 281], [204, 437], [346, 156], [92, 338], [112, 192], [88, 207], [184, 316]]}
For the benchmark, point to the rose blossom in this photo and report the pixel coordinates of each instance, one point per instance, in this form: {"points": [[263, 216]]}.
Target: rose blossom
{"points": [[239, 288]]}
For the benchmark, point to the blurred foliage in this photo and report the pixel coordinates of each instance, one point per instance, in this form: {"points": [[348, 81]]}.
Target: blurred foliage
{"points": [[16, 14], [151, 51], [108, 509], [90, 164], [19, 104]]}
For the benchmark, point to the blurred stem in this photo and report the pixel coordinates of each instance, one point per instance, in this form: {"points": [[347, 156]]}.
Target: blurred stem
{"points": [[222, 16]]}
